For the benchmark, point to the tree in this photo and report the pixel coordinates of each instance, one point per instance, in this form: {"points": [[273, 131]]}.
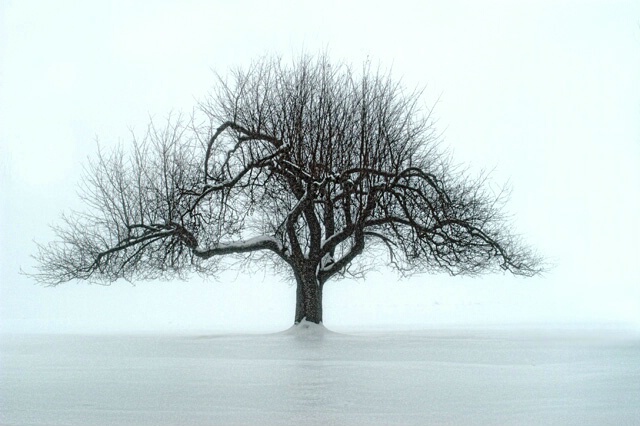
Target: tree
{"points": [[312, 168]]}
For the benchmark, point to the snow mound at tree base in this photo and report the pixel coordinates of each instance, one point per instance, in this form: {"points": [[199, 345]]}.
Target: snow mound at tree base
{"points": [[307, 329]]}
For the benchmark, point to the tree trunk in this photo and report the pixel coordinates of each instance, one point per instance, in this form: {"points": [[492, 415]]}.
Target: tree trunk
{"points": [[308, 297]]}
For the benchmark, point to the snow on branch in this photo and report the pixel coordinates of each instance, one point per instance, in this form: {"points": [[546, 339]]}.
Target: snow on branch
{"points": [[263, 242]]}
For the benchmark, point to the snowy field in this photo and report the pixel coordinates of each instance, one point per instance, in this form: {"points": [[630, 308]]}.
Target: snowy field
{"points": [[443, 377]]}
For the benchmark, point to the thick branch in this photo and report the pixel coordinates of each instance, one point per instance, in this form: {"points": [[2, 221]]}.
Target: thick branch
{"points": [[254, 244], [345, 260]]}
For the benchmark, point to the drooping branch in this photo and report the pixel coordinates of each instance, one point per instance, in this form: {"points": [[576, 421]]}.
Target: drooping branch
{"points": [[258, 163], [247, 136]]}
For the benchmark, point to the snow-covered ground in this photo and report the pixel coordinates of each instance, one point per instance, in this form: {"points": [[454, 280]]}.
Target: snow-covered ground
{"points": [[315, 377]]}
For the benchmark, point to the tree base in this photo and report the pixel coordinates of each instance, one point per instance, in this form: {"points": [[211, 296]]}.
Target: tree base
{"points": [[307, 329]]}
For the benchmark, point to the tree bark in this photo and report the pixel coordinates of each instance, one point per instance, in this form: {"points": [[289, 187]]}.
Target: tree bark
{"points": [[308, 297]]}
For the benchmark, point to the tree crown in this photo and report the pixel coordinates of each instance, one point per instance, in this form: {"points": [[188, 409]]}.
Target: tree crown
{"points": [[306, 166]]}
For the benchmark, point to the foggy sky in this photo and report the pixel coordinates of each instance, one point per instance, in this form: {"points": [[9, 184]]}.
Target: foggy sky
{"points": [[545, 93]]}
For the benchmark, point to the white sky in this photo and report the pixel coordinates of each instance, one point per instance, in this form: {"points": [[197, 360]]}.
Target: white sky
{"points": [[547, 92]]}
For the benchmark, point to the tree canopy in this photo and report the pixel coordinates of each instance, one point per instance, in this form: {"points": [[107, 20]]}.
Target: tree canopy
{"points": [[311, 167]]}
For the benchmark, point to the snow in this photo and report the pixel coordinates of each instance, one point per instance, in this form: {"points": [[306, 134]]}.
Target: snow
{"points": [[240, 245], [449, 376], [307, 329], [327, 261]]}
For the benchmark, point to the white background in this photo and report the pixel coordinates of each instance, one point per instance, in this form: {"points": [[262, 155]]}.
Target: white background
{"points": [[545, 92]]}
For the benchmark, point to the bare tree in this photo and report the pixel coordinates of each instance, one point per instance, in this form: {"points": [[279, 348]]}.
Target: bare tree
{"points": [[313, 168]]}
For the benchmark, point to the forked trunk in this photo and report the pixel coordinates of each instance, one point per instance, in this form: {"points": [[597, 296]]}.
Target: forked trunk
{"points": [[308, 297]]}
